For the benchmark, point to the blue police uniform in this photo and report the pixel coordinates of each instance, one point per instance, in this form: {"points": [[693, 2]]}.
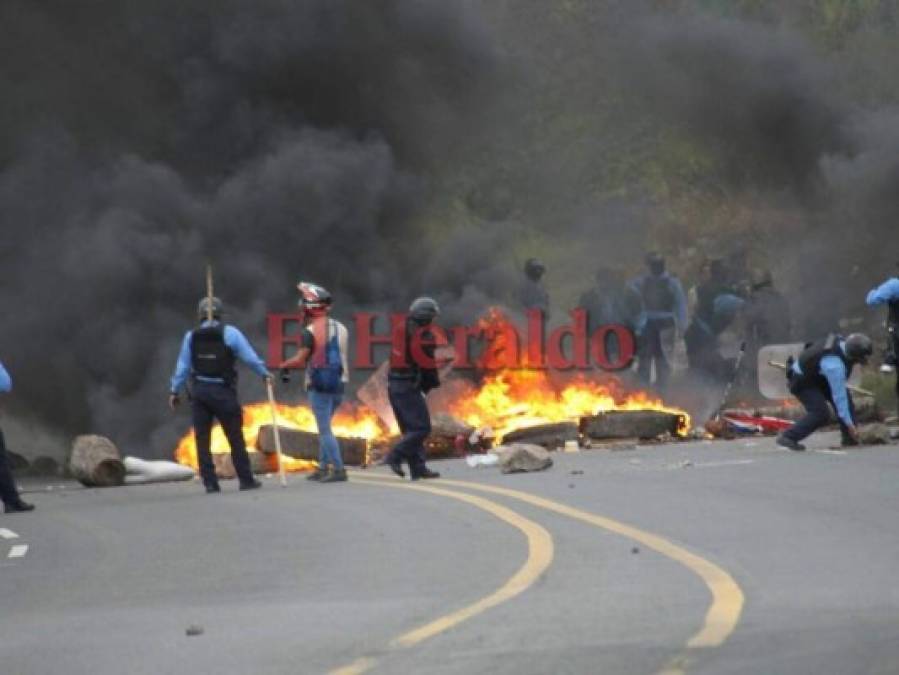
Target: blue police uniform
{"points": [[701, 338], [9, 493], [207, 358], [888, 294], [664, 308], [817, 377]]}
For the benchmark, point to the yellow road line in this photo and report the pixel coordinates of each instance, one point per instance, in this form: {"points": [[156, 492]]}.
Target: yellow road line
{"points": [[540, 556], [727, 597]]}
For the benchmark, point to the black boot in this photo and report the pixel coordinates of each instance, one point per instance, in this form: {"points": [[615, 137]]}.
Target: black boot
{"points": [[318, 474], [336, 476], [18, 507], [397, 468], [789, 443], [255, 485], [425, 473], [212, 488]]}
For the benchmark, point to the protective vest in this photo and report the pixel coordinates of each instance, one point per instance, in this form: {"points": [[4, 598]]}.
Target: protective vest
{"points": [[810, 361], [657, 294], [210, 356], [424, 378]]}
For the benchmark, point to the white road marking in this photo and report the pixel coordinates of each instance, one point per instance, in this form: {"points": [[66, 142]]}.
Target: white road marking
{"points": [[18, 551], [7, 534], [831, 452], [725, 462]]}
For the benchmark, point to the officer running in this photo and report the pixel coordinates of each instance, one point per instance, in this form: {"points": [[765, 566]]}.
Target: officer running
{"points": [[208, 357], [9, 493], [664, 309], [323, 352], [819, 377], [888, 294], [408, 382]]}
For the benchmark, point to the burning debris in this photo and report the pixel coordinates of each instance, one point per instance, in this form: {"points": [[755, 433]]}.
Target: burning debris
{"points": [[515, 406]]}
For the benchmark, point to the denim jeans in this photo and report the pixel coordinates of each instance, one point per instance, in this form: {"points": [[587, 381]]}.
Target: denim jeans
{"points": [[323, 407]]}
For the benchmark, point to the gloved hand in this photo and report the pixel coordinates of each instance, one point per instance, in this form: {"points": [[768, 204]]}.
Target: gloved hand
{"points": [[174, 400], [285, 376]]}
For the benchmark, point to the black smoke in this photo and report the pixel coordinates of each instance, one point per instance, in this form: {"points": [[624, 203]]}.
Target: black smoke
{"points": [[141, 140]]}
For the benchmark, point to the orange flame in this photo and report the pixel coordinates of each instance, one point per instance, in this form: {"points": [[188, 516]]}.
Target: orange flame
{"points": [[515, 399], [507, 399], [350, 421]]}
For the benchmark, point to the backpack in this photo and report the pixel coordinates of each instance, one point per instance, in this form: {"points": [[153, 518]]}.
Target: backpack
{"points": [[326, 377]]}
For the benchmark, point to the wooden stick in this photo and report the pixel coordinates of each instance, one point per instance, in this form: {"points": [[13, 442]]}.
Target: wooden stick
{"points": [[850, 387], [276, 432], [209, 294]]}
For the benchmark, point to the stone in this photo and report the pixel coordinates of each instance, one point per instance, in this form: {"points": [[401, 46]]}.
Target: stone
{"points": [[874, 434], [523, 457]]}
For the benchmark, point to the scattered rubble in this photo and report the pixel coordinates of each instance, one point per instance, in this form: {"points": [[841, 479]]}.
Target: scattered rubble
{"points": [[523, 457], [874, 434]]}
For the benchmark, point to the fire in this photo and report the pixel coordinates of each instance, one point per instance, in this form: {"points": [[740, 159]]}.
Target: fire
{"points": [[350, 421], [507, 398], [514, 399]]}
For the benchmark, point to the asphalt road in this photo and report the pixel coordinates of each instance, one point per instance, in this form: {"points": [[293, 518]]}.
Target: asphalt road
{"points": [[315, 578]]}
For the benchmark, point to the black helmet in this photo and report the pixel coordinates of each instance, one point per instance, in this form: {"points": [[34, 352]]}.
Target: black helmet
{"points": [[313, 298], [655, 262], [423, 310], [203, 309], [859, 348], [533, 268]]}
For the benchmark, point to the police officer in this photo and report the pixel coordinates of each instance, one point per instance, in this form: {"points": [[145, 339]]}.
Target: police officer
{"points": [[409, 380], [701, 339], [664, 309], [767, 313], [533, 294], [766, 317], [12, 502], [819, 377], [888, 294], [208, 357]]}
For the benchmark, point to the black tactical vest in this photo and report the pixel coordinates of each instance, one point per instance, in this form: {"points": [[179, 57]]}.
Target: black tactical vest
{"points": [[657, 294], [810, 361], [893, 316], [210, 356]]}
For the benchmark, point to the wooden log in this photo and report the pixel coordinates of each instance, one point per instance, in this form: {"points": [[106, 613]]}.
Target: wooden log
{"points": [[224, 465], [642, 424], [548, 436], [304, 445], [95, 462]]}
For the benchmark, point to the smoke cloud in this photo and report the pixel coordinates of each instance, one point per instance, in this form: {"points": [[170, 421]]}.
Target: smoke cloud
{"points": [[275, 139], [141, 140]]}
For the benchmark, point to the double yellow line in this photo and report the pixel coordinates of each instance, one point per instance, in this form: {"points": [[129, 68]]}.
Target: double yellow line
{"points": [[721, 617]]}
